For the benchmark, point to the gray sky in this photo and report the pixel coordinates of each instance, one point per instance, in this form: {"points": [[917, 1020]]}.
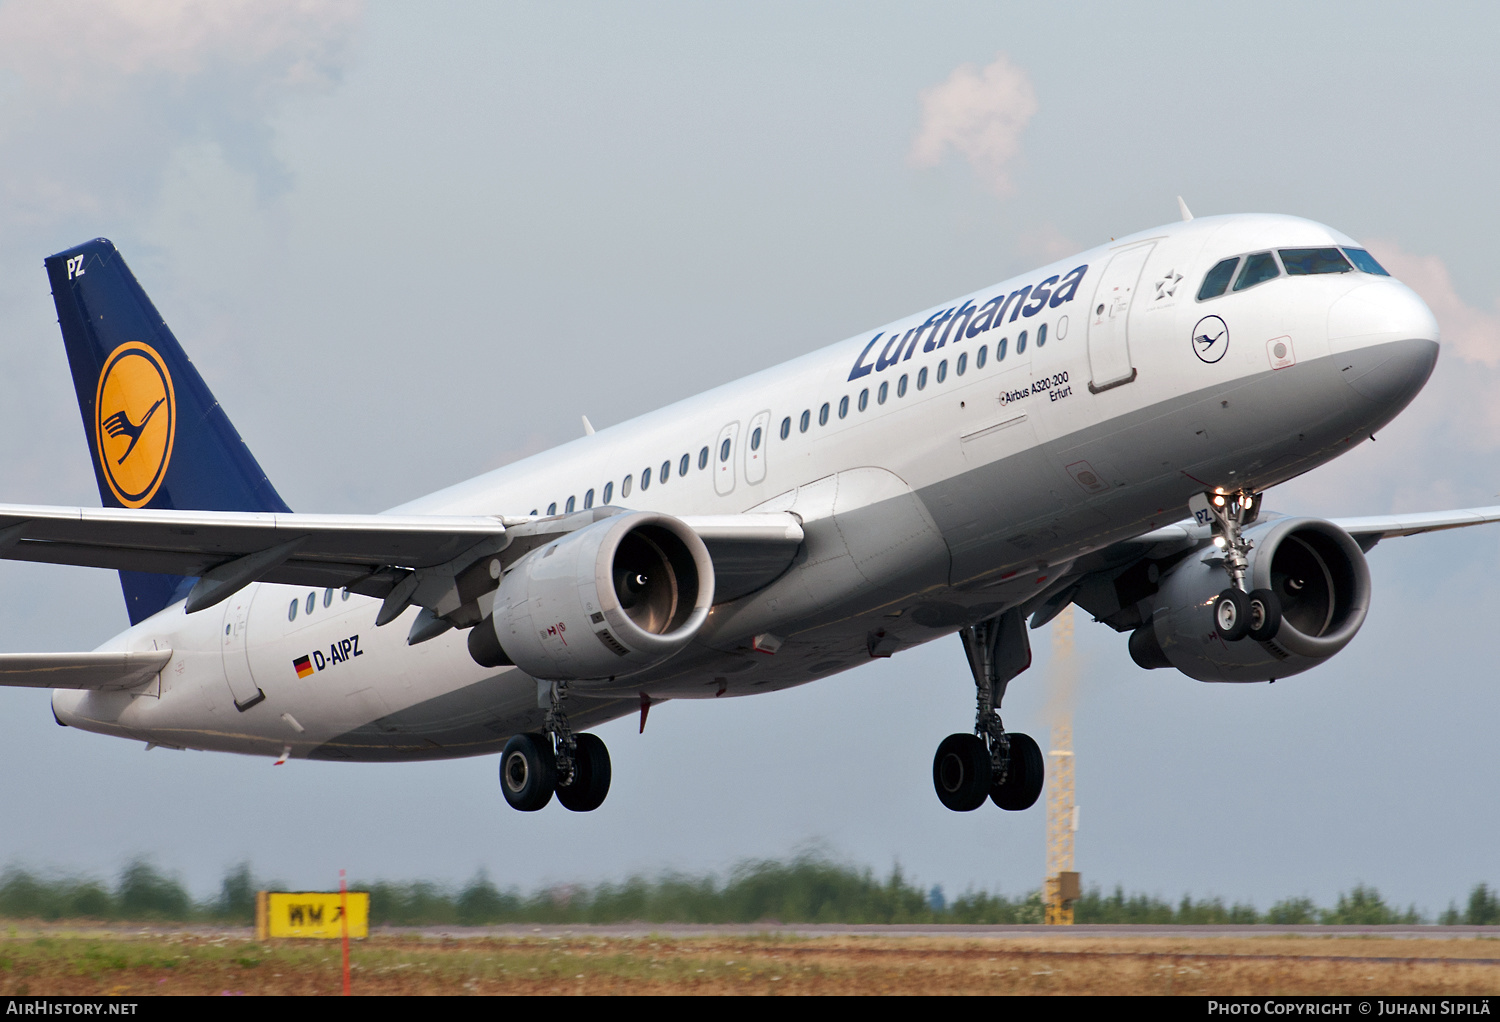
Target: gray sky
{"points": [[406, 244]]}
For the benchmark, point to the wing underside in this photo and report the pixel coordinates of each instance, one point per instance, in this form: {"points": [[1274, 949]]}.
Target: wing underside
{"points": [[404, 560]]}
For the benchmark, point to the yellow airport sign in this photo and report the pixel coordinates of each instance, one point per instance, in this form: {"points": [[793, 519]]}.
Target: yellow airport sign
{"points": [[316, 914]]}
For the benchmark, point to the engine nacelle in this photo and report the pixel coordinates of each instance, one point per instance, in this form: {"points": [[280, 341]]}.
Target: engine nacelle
{"points": [[1316, 569], [610, 599]]}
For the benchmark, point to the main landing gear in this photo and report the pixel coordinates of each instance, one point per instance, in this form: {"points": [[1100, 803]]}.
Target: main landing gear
{"points": [[1238, 613], [1006, 768], [535, 766]]}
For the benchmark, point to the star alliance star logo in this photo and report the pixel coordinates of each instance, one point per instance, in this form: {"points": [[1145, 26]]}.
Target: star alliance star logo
{"points": [[1167, 286]]}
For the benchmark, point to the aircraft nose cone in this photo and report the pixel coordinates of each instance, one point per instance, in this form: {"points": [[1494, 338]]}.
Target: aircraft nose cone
{"points": [[1390, 374], [1385, 310], [1386, 340]]}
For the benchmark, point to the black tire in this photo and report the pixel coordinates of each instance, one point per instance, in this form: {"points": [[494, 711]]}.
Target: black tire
{"points": [[961, 773], [590, 776], [1232, 615], [1265, 615], [528, 772], [1023, 781]]}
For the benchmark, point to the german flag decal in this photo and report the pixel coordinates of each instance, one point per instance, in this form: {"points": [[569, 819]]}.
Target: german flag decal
{"points": [[303, 666]]}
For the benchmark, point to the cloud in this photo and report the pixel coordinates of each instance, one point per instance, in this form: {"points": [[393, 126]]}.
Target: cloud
{"points": [[1442, 450], [979, 114], [97, 98], [1470, 334], [1047, 242], [1468, 374], [67, 48]]}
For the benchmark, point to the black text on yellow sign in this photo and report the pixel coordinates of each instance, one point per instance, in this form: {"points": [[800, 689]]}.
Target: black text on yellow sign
{"points": [[317, 914]]}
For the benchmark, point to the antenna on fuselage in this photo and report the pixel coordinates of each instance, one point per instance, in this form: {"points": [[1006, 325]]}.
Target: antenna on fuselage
{"points": [[588, 427], [1187, 214]]}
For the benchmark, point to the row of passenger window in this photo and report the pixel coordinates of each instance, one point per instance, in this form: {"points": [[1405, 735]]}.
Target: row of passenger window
{"points": [[628, 483], [312, 603], [1259, 267], [960, 366]]}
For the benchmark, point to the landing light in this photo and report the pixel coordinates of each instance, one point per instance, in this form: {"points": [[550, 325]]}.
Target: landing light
{"points": [[1219, 542], [1218, 500]]}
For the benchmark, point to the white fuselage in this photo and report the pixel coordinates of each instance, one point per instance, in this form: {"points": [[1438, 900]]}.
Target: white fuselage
{"points": [[948, 485]]}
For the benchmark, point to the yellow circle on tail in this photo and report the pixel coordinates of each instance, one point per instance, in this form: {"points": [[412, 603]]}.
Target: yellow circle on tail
{"points": [[135, 422]]}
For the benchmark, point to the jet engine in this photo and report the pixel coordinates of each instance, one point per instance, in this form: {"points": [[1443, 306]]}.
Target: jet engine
{"points": [[611, 599], [1315, 568]]}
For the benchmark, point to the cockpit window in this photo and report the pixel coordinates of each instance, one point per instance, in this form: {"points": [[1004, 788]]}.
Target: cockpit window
{"points": [[1365, 261], [1306, 261], [1259, 268], [1218, 279]]}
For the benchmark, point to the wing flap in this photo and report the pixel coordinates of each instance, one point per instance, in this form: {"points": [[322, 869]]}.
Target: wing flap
{"points": [[102, 672]]}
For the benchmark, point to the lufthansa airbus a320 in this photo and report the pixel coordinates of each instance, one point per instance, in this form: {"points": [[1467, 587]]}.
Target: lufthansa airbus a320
{"points": [[1095, 432]]}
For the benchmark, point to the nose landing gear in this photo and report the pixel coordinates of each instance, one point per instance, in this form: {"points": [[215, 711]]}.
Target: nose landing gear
{"points": [[1238, 613], [1005, 767], [536, 766]]}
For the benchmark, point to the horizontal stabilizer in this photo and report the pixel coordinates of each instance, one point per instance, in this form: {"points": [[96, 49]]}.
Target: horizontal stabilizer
{"points": [[104, 672]]}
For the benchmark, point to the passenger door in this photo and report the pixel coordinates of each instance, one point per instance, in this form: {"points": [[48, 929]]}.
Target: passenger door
{"points": [[1109, 319], [236, 657]]}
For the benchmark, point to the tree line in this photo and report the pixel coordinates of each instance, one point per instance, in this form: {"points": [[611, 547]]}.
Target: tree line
{"points": [[808, 888]]}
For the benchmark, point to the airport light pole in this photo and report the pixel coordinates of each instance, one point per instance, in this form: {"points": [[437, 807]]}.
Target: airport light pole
{"points": [[1061, 887]]}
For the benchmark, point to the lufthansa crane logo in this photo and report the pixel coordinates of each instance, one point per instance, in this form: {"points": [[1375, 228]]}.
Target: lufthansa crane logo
{"points": [[135, 422], [1210, 338]]}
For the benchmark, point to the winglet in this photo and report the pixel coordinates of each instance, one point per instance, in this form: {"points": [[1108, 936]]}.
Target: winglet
{"points": [[1187, 214]]}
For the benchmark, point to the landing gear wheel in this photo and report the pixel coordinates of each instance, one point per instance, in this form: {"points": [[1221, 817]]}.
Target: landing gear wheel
{"points": [[1265, 615], [590, 776], [528, 772], [1023, 780], [1232, 615], [961, 772]]}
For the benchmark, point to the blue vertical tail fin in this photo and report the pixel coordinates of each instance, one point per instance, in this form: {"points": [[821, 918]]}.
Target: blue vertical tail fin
{"points": [[158, 437]]}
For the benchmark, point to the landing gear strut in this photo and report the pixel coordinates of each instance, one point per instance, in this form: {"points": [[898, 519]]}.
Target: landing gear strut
{"points": [[1004, 767], [1238, 611], [534, 766]]}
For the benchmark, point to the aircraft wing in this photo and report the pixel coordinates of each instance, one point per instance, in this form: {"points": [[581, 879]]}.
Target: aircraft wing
{"points": [[402, 559], [1367, 531], [100, 671], [330, 550], [749, 551], [1091, 581], [1372, 529]]}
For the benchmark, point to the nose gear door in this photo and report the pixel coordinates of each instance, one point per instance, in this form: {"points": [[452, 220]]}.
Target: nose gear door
{"points": [[1109, 343]]}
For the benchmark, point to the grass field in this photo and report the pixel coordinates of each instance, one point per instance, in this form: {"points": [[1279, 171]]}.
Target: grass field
{"points": [[61, 961]]}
